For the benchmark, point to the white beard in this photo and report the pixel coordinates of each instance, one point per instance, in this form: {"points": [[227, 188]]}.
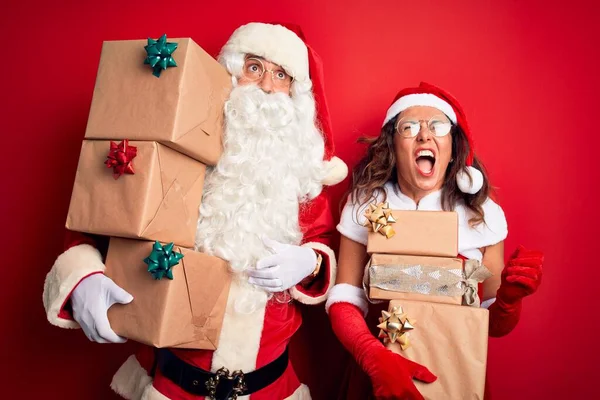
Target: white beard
{"points": [[272, 161]]}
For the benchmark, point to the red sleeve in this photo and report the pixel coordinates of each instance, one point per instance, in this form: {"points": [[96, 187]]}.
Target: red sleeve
{"points": [[73, 239], [318, 226], [316, 220]]}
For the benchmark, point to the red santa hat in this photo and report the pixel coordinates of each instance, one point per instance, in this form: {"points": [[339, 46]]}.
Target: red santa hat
{"points": [[469, 180], [285, 45]]}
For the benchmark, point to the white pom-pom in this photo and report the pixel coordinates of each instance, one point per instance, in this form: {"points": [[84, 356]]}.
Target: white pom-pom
{"points": [[469, 185], [337, 170]]}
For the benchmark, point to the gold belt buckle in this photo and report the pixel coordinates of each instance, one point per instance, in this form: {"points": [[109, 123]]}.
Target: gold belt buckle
{"points": [[239, 385]]}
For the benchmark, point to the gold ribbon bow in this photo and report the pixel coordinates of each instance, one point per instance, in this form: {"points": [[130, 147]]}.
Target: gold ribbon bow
{"points": [[379, 219], [475, 273], [395, 326]]}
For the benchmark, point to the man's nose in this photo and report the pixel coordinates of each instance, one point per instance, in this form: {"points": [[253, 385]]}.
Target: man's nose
{"points": [[266, 82]]}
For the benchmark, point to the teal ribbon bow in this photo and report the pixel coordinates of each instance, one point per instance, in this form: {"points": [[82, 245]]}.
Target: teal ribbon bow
{"points": [[161, 260], [160, 54]]}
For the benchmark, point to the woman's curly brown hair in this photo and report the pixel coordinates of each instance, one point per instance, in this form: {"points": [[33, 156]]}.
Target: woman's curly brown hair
{"points": [[378, 166]]}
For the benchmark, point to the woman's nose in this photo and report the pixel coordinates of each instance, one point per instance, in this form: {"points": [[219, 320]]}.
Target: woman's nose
{"points": [[424, 133]]}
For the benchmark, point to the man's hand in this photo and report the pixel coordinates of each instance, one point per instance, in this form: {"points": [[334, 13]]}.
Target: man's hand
{"points": [[287, 267], [91, 300]]}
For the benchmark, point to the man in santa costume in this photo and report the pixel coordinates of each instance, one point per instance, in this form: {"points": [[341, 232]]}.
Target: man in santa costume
{"points": [[265, 210]]}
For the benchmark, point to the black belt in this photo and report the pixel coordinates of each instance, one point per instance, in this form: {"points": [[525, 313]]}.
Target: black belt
{"points": [[221, 385]]}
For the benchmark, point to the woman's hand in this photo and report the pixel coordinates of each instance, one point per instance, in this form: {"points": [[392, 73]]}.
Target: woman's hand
{"points": [[392, 376], [522, 275]]}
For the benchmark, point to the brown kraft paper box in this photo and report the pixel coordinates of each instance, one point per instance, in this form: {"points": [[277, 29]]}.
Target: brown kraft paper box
{"points": [[451, 341], [160, 201], [419, 233], [387, 273], [183, 108], [186, 312]]}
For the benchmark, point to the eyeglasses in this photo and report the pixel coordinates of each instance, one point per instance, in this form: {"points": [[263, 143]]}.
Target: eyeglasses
{"points": [[438, 125], [254, 69]]}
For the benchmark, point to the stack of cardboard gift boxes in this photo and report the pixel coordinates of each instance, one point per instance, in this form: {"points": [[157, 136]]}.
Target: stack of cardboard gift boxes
{"points": [[155, 123], [433, 316]]}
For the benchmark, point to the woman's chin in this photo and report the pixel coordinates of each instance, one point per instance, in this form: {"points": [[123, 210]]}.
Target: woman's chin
{"points": [[426, 183], [421, 182]]}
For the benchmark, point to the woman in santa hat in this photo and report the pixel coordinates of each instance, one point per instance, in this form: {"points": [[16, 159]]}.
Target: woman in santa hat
{"points": [[424, 160]]}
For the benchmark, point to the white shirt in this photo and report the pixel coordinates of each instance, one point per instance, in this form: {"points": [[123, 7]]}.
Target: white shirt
{"points": [[470, 239]]}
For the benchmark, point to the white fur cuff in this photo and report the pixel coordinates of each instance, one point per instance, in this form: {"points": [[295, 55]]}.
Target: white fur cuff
{"points": [[331, 271], [68, 270], [337, 170], [131, 379], [346, 293], [302, 393], [487, 303], [152, 394]]}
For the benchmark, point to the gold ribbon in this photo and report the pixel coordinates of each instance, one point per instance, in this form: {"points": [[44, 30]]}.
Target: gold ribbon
{"points": [[475, 273], [395, 326], [417, 278], [379, 219], [430, 280]]}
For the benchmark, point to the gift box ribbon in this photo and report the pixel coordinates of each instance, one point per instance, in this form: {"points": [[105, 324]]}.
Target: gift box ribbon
{"points": [[431, 280], [395, 326], [475, 273], [120, 158], [160, 54], [380, 219], [161, 260]]}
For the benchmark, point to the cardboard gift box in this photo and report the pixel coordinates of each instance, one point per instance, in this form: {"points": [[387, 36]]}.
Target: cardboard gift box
{"points": [[185, 312], [182, 108], [451, 341], [435, 279], [418, 233], [159, 201]]}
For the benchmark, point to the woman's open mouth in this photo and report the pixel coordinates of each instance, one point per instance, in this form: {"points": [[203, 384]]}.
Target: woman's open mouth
{"points": [[425, 162]]}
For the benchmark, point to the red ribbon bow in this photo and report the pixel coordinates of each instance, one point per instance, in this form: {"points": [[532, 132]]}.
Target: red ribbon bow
{"points": [[120, 157]]}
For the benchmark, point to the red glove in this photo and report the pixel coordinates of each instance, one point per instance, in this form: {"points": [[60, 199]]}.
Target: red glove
{"points": [[521, 277], [390, 373]]}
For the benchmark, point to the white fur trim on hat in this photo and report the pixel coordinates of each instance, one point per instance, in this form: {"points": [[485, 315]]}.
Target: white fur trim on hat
{"points": [[469, 180], [275, 43], [337, 170], [420, 99], [346, 293]]}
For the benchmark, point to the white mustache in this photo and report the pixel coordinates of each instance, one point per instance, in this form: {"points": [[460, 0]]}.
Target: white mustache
{"points": [[250, 107]]}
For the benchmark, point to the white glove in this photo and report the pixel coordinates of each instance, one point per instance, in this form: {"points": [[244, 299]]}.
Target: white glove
{"points": [[91, 300], [287, 267]]}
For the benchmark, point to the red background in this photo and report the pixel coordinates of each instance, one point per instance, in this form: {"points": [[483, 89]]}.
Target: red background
{"points": [[526, 74]]}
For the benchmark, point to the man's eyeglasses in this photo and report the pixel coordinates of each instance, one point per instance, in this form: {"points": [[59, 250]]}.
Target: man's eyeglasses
{"points": [[254, 69]]}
